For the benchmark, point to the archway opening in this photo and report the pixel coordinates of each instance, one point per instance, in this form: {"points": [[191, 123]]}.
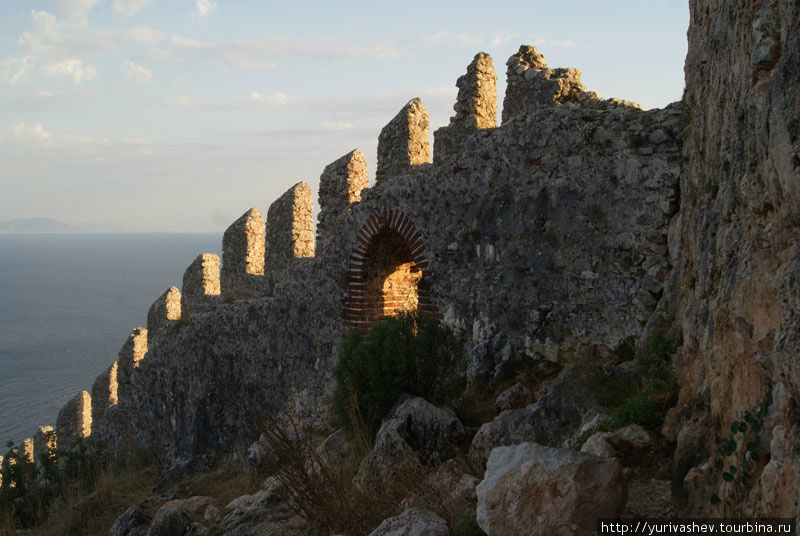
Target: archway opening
{"points": [[391, 276]]}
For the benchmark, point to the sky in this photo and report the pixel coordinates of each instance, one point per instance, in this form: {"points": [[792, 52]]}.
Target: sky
{"points": [[180, 115]]}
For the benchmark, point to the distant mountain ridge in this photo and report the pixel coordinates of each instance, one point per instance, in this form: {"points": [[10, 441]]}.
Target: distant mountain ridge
{"points": [[35, 225]]}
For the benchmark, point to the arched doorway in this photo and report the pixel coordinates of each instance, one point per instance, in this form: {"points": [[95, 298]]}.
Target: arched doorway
{"points": [[387, 270]]}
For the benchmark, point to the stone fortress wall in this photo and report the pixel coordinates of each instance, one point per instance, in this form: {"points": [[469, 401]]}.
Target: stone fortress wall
{"points": [[544, 238]]}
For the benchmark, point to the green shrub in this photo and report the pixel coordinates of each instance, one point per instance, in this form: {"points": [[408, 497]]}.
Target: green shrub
{"points": [[640, 409], [645, 404], [405, 354], [468, 526]]}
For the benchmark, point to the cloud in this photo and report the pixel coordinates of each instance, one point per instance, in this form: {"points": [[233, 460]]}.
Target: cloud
{"points": [[260, 53], [183, 101], [129, 7], [188, 42], [337, 125], [137, 72], [204, 7], [276, 98], [75, 8], [445, 37], [30, 133], [51, 38], [541, 41], [70, 67], [13, 69], [501, 39], [254, 101]]}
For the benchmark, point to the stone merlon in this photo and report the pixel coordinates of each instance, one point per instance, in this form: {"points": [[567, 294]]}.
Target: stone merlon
{"points": [[340, 185], [201, 285], [290, 226], [475, 107], [403, 142], [130, 354], [74, 421], [242, 254], [532, 85], [165, 311], [25, 450], [44, 442], [476, 104], [104, 392]]}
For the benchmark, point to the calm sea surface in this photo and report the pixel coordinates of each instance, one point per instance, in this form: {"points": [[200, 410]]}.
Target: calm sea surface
{"points": [[67, 303]]}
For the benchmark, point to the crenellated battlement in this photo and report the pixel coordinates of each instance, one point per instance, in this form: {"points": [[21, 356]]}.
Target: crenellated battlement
{"points": [[507, 233]]}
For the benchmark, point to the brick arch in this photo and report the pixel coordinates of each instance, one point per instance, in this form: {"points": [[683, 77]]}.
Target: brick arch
{"points": [[387, 258]]}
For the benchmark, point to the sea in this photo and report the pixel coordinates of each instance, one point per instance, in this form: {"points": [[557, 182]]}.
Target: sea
{"points": [[67, 304]]}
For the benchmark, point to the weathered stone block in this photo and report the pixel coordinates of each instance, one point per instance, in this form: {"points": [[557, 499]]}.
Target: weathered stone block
{"points": [[340, 185], [104, 392], [165, 311], [25, 450], [200, 284], [130, 354], [342, 180], [533, 489], [290, 226], [476, 104], [532, 85], [403, 142], [74, 421], [413, 521], [44, 441], [242, 255], [475, 107]]}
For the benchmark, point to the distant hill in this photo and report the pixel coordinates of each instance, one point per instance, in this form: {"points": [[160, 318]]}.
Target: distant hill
{"points": [[35, 225]]}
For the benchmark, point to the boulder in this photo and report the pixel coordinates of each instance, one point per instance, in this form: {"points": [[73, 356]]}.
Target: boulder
{"points": [[515, 396], [133, 522], [417, 429], [412, 522], [264, 513], [538, 490], [626, 443], [579, 393], [177, 517]]}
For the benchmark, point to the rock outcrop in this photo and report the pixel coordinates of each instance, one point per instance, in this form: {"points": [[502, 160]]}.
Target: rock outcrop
{"points": [[414, 521], [537, 490], [734, 247]]}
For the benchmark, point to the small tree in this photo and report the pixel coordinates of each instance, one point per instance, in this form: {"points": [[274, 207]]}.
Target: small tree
{"points": [[409, 353]]}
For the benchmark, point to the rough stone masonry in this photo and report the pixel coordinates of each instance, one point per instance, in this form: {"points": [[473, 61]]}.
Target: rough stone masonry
{"points": [[519, 236]]}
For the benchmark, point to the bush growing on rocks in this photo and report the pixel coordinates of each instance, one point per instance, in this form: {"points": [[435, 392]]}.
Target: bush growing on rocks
{"points": [[405, 354]]}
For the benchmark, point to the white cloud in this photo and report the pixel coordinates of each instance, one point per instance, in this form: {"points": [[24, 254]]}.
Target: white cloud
{"points": [[182, 101], [30, 133], [188, 42], [275, 98], [445, 37], [337, 125], [541, 40], [70, 67], [13, 69], [53, 38], [204, 7], [501, 39], [129, 7], [73, 8], [137, 72]]}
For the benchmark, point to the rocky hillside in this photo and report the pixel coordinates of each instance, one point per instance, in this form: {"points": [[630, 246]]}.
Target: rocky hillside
{"points": [[624, 284]]}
